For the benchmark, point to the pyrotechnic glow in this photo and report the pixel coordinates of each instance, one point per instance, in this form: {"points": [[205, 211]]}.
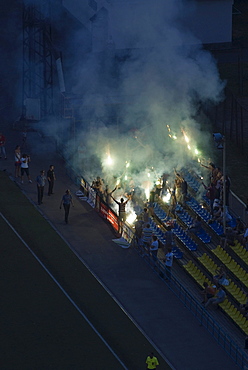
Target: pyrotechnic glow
{"points": [[118, 181], [109, 160], [199, 161], [166, 198], [148, 174], [131, 217], [189, 147], [127, 164], [174, 137], [125, 177], [147, 193], [196, 151]]}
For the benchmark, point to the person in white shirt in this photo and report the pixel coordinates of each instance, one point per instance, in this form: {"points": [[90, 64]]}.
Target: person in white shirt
{"points": [[25, 159]]}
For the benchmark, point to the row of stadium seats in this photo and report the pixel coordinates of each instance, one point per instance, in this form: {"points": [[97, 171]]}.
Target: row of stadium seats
{"points": [[177, 230], [205, 215], [237, 293], [227, 306], [231, 264], [177, 253], [191, 180], [188, 221], [235, 315], [241, 251]]}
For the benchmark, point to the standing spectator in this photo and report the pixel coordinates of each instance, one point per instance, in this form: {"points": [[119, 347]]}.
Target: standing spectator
{"points": [[66, 201], [147, 236], [145, 216], [168, 263], [138, 228], [177, 188], [98, 185], [184, 188], [17, 160], [173, 203], [154, 247], [151, 361], [40, 180], [122, 208], [107, 195], [211, 194], [169, 237], [25, 160], [50, 178], [2, 146]]}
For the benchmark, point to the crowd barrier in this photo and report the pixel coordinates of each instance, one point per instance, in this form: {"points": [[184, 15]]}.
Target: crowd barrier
{"points": [[237, 354]]}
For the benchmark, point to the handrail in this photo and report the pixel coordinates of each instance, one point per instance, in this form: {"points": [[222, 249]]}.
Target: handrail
{"points": [[223, 339], [202, 315]]}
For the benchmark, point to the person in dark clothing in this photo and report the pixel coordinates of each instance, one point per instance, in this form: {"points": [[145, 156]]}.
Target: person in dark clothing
{"points": [[211, 194], [50, 178], [66, 201], [184, 190], [40, 180]]}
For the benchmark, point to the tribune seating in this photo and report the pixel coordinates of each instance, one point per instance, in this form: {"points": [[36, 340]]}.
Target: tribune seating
{"points": [[231, 264], [196, 273], [177, 229], [205, 215], [241, 251], [226, 306], [237, 293], [185, 217], [177, 253], [235, 315]]}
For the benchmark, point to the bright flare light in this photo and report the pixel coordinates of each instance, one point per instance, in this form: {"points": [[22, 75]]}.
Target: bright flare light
{"points": [[127, 164], [166, 198], [131, 218], [147, 193], [196, 151], [109, 160]]}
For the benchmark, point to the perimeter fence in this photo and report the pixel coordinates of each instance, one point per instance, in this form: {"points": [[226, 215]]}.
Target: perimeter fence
{"points": [[232, 348]]}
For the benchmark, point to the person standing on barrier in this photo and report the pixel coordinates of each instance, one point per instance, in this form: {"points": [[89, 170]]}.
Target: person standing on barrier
{"points": [[66, 201], [168, 263], [151, 361], [122, 208]]}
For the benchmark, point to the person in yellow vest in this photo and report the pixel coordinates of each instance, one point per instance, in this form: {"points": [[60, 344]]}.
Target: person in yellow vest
{"points": [[151, 361]]}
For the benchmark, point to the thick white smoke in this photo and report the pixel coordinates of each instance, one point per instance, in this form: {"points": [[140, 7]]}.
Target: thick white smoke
{"points": [[153, 74], [159, 89]]}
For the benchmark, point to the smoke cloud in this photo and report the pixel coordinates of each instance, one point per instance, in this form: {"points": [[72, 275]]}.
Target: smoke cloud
{"points": [[138, 115]]}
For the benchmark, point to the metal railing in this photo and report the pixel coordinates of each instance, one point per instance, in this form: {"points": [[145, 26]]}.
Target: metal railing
{"points": [[206, 320], [223, 339]]}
